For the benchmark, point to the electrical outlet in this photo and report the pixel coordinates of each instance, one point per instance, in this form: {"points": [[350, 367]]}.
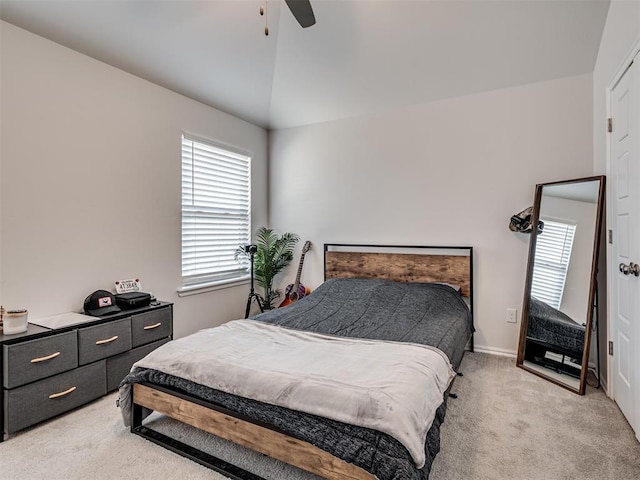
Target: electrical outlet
{"points": [[512, 315]]}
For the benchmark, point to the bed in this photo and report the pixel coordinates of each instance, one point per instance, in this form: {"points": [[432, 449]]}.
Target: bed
{"points": [[374, 293], [550, 330]]}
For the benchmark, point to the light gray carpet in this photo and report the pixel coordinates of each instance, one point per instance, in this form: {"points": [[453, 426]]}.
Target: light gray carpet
{"points": [[506, 424], [510, 424]]}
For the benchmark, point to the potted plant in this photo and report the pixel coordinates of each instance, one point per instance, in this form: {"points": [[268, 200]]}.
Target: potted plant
{"points": [[273, 254]]}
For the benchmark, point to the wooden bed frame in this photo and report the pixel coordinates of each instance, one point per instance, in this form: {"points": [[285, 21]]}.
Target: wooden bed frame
{"points": [[400, 263]]}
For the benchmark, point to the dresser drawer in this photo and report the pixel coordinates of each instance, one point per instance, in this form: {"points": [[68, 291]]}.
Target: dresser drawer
{"points": [[32, 360], [47, 398], [119, 366], [104, 340], [150, 326]]}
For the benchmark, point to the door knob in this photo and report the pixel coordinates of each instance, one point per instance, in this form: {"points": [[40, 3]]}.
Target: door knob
{"points": [[631, 268]]}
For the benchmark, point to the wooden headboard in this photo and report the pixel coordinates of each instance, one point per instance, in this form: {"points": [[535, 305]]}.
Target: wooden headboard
{"points": [[453, 265]]}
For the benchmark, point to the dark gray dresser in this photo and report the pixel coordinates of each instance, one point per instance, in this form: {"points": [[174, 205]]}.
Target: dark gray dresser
{"points": [[46, 372]]}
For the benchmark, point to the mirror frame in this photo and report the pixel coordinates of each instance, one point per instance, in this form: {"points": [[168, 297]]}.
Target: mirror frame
{"points": [[592, 284]]}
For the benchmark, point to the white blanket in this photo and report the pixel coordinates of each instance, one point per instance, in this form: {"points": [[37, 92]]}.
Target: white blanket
{"points": [[392, 387]]}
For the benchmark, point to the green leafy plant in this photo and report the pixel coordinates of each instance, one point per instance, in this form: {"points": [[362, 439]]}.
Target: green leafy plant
{"points": [[274, 253]]}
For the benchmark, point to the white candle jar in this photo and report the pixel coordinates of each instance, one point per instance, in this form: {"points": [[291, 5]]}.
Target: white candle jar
{"points": [[14, 321]]}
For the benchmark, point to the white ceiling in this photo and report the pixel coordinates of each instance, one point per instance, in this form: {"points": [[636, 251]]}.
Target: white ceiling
{"points": [[361, 57], [586, 191]]}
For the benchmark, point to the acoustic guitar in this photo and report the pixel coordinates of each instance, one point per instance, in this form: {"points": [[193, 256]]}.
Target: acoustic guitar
{"points": [[296, 290]]}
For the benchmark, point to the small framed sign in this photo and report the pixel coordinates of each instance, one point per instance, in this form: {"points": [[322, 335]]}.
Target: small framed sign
{"points": [[126, 286]]}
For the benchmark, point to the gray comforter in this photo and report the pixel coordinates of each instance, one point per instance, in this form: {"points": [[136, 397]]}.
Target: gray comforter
{"points": [[430, 314], [555, 329]]}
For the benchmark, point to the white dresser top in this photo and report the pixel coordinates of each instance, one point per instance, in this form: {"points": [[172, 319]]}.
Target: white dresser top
{"points": [[62, 320]]}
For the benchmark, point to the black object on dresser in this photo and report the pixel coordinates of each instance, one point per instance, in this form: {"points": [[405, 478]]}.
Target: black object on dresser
{"points": [[49, 371]]}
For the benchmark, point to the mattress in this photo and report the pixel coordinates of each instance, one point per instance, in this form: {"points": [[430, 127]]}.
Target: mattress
{"points": [[431, 314]]}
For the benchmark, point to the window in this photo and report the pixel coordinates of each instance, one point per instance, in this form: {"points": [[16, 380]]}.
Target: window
{"points": [[216, 213], [553, 251]]}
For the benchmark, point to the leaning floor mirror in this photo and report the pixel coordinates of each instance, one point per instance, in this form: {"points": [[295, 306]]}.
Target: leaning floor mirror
{"points": [[560, 287]]}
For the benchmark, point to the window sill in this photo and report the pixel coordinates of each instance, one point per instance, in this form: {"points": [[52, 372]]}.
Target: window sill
{"points": [[188, 290]]}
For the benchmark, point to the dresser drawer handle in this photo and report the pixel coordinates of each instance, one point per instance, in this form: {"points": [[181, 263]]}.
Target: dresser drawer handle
{"points": [[62, 394], [108, 340], [44, 359], [151, 327]]}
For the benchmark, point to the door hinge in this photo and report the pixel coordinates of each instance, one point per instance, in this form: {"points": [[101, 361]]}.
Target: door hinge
{"points": [[610, 232], [610, 125], [610, 348]]}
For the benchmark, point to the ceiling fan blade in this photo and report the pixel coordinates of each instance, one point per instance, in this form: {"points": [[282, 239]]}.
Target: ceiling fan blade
{"points": [[302, 11]]}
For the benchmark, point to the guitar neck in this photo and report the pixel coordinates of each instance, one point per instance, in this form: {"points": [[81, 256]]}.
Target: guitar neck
{"points": [[297, 282]]}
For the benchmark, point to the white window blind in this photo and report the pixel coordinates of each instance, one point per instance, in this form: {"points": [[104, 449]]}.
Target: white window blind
{"points": [[551, 263], [216, 212]]}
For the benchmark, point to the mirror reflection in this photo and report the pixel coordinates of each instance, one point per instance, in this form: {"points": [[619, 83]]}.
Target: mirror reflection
{"points": [[559, 297]]}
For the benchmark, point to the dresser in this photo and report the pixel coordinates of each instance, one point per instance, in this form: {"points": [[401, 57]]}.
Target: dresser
{"points": [[49, 371]]}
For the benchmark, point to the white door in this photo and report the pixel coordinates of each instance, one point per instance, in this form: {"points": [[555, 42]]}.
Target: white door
{"points": [[624, 186]]}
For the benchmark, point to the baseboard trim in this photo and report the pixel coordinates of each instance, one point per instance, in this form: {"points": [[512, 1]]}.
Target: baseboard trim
{"points": [[495, 351]]}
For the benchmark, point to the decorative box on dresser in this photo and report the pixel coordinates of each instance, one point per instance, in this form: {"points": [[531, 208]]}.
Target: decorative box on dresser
{"points": [[49, 371]]}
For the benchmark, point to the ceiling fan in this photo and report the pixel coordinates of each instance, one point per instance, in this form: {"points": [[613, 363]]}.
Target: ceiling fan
{"points": [[301, 10]]}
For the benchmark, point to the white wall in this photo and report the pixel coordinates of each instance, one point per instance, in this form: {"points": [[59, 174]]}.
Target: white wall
{"points": [[444, 173], [90, 187]]}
